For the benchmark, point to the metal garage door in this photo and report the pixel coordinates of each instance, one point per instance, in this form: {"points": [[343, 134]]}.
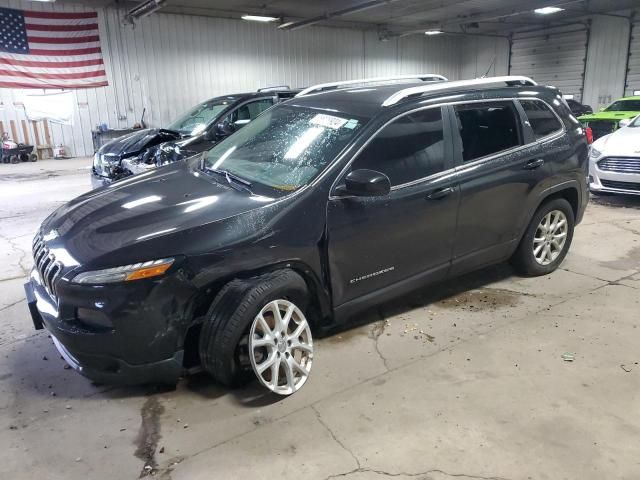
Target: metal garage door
{"points": [[557, 57], [633, 72]]}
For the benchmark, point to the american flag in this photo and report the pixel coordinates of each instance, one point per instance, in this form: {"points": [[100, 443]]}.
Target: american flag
{"points": [[50, 50]]}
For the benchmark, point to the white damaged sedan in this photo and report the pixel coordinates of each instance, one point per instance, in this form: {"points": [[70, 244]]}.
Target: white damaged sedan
{"points": [[614, 161]]}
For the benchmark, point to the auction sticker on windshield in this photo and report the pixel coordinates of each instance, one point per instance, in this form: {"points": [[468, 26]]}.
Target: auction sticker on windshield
{"points": [[328, 121]]}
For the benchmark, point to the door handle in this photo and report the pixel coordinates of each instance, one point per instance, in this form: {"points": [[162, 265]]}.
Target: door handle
{"points": [[533, 164], [440, 193]]}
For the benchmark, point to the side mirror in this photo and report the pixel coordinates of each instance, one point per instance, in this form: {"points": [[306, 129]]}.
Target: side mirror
{"points": [[601, 109], [365, 183], [625, 122]]}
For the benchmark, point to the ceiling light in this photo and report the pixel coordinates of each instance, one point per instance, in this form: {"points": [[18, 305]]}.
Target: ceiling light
{"points": [[548, 10], [259, 18], [433, 32]]}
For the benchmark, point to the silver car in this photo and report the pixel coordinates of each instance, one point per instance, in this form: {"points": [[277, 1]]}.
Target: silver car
{"points": [[614, 161]]}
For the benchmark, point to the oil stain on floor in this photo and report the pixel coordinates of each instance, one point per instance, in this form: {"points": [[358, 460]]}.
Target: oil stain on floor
{"points": [[149, 435], [482, 299]]}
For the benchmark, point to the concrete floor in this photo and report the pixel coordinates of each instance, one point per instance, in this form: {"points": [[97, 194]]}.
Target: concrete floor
{"points": [[461, 380]]}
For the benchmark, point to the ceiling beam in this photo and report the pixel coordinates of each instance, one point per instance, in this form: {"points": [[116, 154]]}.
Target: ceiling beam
{"points": [[335, 13]]}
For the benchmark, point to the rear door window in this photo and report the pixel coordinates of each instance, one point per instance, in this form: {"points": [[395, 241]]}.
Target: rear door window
{"points": [[487, 128], [541, 118], [410, 148]]}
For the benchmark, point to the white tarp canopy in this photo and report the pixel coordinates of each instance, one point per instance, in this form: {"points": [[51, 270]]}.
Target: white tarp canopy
{"points": [[56, 107]]}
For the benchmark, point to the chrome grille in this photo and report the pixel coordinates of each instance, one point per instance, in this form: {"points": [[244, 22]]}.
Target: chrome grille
{"points": [[45, 262], [620, 164]]}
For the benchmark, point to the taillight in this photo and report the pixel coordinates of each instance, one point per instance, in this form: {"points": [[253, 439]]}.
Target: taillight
{"points": [[589, 134]]}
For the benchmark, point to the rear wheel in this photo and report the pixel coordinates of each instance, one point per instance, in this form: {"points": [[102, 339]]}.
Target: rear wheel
{"points": [[33, 157], [547, 240], [14, 159], [248, 314]]}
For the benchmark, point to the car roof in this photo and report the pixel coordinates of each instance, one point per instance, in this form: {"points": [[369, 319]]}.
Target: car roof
{"points": [[632, 97], [363, 101], [240, 97], [368, 101]]}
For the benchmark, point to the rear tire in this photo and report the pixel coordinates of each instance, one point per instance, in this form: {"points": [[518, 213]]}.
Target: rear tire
{"points": [[33, 157], [14, 159], [547, 239], [223, 344]]}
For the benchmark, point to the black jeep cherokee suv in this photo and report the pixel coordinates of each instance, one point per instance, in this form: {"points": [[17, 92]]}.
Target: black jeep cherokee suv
{"points": [[193, 132], [324, 205]]}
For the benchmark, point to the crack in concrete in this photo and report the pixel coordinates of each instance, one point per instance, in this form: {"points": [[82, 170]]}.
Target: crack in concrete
{"points": [[628, 229], [376, 332], [361, 469], [336, 439], [584, 275], [424, 475], [20, 277], [24, 253], [12, 304]]}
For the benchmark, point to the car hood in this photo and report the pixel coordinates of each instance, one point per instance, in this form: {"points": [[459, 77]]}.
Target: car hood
{"points": [[608, 116], [136, 217], [623, 142], [134, 143]]}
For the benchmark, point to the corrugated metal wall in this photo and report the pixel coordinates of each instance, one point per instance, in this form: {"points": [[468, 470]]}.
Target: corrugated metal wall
{"points": [[633, 72], [554, 57], [606, 61], [484, 56], [168, 63]]}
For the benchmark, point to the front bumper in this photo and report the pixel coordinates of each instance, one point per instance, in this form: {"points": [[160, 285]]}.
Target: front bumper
{"points": [[137, 346], [612, 182]]}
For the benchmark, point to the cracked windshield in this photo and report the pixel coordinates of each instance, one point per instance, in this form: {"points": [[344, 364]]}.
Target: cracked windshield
{"points": [[285, 148]]}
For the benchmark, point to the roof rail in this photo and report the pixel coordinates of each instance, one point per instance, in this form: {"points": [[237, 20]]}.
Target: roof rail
{"points": [[408, 92], [274, 88], [426, 77]]}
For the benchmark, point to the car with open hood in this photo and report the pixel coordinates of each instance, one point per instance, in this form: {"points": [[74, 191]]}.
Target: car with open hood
{"points": [[614, 161], [608, 119], [344, 197], [193, 132]]}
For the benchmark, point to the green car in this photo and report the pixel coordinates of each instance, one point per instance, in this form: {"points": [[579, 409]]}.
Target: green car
{"points": [[608, 119]]}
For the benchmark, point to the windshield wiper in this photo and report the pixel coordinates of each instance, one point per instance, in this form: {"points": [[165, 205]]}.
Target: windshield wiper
{"points": [[230, 177]]}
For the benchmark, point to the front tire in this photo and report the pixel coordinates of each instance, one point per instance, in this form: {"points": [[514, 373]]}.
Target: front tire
{"points": [[224, 344], [547, 239]]}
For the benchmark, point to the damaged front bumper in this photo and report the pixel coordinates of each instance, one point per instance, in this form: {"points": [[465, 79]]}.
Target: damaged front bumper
{"points": [[104, 355]]}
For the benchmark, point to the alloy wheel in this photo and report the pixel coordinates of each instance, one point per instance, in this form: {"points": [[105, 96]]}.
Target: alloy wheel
{"points": [[550, 237], [281, 347]]}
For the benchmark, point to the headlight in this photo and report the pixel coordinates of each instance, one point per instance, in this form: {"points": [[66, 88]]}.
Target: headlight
{"points": [[593, 153], [170, 148], [126, 273]]}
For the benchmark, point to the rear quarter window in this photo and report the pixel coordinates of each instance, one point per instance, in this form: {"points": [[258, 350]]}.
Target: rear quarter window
{"points": [[542, 119]]}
